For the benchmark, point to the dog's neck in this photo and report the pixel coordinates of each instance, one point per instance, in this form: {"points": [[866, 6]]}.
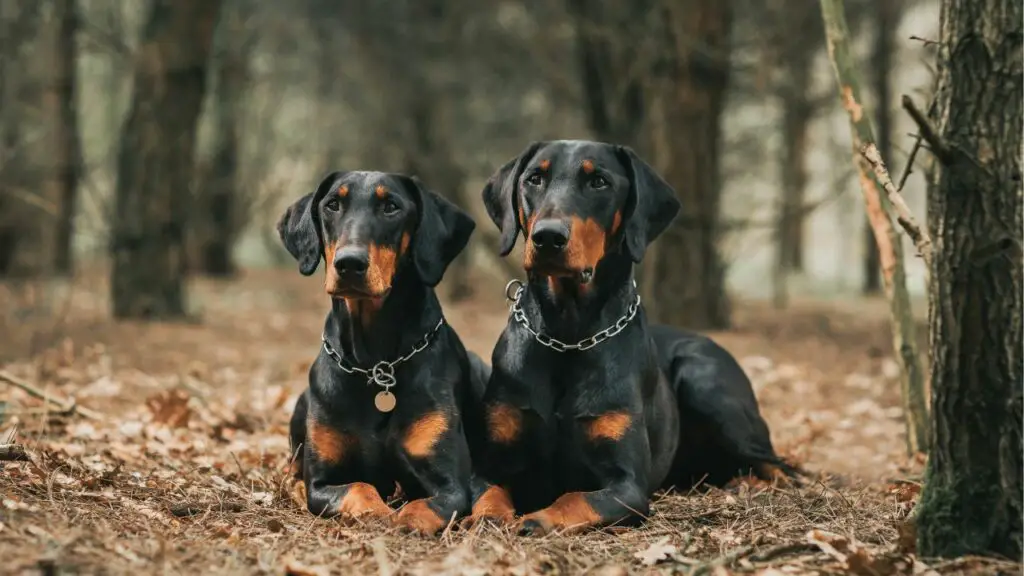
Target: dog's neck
{"points": [[565, 309], [367, 331]]}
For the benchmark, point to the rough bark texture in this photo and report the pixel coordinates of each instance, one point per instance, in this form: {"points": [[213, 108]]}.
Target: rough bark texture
{"points": [[684, 274], [887, 238], [155, 160], [215, 215], [972, 495], [886, 15]]}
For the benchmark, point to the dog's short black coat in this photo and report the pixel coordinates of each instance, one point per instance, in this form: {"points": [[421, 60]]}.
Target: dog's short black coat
{"points": [[386, 241], [584, 437]]}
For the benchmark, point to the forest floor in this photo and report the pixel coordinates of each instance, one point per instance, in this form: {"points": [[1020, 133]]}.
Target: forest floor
{"points": [[181, 468]]}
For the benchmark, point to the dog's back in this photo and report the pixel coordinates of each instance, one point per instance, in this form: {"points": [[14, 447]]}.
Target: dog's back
{"points": [[723, 432]]}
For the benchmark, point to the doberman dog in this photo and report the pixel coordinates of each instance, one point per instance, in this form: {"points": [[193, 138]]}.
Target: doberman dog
{"points": [[386, 392], [588, 409]]}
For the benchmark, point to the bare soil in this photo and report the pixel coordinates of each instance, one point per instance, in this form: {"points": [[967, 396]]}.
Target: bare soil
{"points": [[181, 471]]}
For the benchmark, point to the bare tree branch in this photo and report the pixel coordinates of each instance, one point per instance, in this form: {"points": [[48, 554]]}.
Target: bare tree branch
{"points": [[920, 236], [940, 149]]}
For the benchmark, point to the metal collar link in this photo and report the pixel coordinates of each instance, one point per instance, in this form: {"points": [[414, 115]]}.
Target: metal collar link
{"points": [[383, 373], [516, 310]]}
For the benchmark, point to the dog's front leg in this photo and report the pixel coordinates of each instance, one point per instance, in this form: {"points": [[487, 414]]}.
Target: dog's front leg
{"points": [[616, 451], [354, 500], [436, 453]]}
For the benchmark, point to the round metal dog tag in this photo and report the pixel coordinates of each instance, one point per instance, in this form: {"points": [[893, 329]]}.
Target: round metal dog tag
{"points": [[384, 401]]}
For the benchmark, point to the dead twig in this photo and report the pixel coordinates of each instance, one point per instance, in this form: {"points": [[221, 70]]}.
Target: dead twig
{"points": [[723, 560], [939, 148], [783, 549], [906, 220], [909, 168], [193, 508], [13, 453], [67, 406], [926, 41]]}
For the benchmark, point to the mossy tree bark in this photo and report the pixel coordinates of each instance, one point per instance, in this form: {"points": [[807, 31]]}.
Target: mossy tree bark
{"points": [[155, 160], [971, 502]]}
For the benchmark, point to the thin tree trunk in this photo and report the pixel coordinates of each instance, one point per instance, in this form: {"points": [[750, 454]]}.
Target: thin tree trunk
{"points": [[155, 161], [215, 219], [61, 110], [612, 91], [685, 276], [971, 502], [797, 112], [890, 246], [28, 222], [887, 14]]}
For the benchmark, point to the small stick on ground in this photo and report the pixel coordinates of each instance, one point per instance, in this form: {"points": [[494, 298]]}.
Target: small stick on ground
{"points": [[67, 406], [13, 453], [906, 220], [193, 508], [783, 549], [723, 560]]}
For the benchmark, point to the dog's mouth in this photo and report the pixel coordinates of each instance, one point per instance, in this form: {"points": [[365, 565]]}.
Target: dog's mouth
{"points": [[356, 292], [557, 270]]}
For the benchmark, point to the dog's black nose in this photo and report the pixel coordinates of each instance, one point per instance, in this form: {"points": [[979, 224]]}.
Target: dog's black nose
{"points": [[550, 235], [351, 261]]}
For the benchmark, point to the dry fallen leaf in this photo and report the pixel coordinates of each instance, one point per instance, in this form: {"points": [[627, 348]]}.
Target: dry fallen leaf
{"points": [[293, 568], [656, 552], [170, 407]]}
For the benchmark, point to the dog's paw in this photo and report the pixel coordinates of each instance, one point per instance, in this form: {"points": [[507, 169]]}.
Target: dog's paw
{"points": [[363, 501], [535, 525], [417, 516]]}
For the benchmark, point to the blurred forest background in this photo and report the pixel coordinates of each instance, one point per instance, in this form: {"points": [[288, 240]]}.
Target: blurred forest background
{"points": [[171, 135]]}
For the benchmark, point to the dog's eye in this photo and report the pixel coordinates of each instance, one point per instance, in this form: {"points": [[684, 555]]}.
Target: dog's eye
{"points": [[599, 182], [389, 207], [333, 205], [535, 179]]}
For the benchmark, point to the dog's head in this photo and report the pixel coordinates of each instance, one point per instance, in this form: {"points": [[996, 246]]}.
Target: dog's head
{"points": [[367, 225], [574, 201]]}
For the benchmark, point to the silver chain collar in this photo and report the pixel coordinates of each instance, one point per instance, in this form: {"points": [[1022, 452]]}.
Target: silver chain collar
{"points": [[383, 373], [517, 312]]}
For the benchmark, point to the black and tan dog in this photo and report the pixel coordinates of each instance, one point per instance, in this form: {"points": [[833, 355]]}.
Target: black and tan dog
{"points": [[588, 409], [385, 396]]}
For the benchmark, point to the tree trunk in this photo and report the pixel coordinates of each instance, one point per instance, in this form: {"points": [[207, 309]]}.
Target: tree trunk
{"points": [[28, 220], [612, 90], [60, 110], [215, 217], [155, 160], [797, 113], [972, 494], [887, 15], [890, 246], [685, 276]]}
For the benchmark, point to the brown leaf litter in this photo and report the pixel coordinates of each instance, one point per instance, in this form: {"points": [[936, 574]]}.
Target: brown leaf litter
{"points": [[185, 470]]}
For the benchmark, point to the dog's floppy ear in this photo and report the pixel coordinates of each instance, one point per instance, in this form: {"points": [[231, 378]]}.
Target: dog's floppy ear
{"points": [[299, 227], [441, 234], [501, 199], [651, 207]]}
